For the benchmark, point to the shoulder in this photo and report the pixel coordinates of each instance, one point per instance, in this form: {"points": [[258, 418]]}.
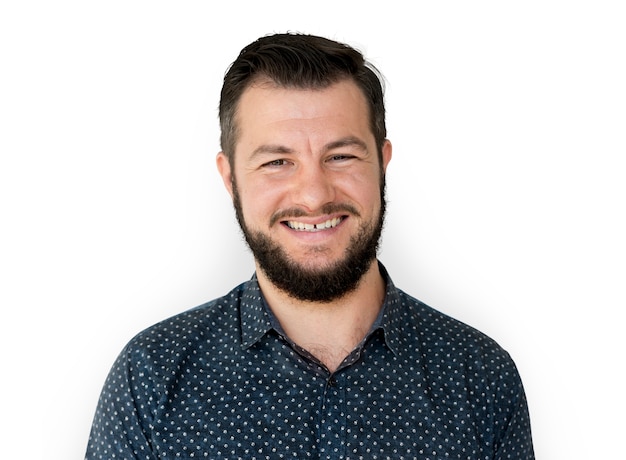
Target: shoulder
{"points": [[441, 337], [212, 313], [466, 370], [169, 340]]}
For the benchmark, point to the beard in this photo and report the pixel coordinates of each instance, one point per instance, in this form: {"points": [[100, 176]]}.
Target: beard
{"points": [[322, 284]]}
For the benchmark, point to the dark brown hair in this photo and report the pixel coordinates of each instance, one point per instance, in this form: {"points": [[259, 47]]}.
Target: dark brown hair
{"points": [[304, 62]]}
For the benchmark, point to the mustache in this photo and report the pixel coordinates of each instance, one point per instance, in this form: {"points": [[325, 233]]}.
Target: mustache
{"points": [[330, 208]]}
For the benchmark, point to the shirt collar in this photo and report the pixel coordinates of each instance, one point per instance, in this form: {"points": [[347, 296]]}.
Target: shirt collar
{"points": [[257, 319], [390, 318]]}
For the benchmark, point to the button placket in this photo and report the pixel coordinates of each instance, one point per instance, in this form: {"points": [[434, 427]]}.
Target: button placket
{"points": [[333, 422]]}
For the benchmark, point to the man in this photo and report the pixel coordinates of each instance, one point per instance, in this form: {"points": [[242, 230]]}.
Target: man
{"points": [[319, 355]]}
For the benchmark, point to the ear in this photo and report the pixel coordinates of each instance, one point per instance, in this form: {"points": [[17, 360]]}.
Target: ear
{"points": [[223, 167], [386, 154]]}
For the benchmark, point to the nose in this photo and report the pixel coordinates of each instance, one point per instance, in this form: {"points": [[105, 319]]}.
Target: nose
{"points": [[313, 187]]}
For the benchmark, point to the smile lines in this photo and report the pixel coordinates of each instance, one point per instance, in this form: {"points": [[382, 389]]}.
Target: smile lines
{"points": [[302, 227]]}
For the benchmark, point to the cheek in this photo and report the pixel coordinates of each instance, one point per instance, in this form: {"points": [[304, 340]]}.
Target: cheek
{"points": [[364, 189], [258, 202]]}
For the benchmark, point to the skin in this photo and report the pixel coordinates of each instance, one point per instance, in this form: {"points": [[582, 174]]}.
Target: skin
{"points": [[299, 151]]}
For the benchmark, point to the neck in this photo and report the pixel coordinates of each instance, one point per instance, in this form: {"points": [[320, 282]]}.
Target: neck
{"points": [[329, 331]]}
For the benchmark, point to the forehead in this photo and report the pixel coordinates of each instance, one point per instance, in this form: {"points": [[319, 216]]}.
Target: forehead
{"points": [[268, 107]]}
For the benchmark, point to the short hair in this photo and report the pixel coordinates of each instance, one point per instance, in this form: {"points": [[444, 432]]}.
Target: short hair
{"points": [[304, 62]]}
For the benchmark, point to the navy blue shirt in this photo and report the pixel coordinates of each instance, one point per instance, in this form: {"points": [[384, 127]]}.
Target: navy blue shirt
{"points": [[223, 381]]}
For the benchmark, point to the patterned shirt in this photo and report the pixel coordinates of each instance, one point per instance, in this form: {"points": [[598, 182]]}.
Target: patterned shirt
{"points": [[223, 381]]}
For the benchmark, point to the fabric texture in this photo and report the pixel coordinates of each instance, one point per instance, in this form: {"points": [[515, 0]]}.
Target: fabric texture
{"points": [[223, 381]]}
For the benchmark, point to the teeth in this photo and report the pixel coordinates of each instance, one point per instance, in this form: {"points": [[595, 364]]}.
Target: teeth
{"points": [[301, 226]]}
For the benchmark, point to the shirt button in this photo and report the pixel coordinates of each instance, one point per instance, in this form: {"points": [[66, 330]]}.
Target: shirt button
{"points": [[332, 382]]}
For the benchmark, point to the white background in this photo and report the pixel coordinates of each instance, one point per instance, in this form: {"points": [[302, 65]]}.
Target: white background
{"points": [[506, 190]]}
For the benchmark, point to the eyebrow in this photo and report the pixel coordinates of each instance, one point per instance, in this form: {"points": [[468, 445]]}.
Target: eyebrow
{"points": [[271, 148], [350, 141]]}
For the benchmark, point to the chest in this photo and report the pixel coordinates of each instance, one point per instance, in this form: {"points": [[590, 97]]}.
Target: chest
{"points": [[286, 406]]}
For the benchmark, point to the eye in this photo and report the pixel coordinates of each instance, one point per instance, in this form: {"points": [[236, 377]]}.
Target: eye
{"points": [[275, 163], [340, 157]]}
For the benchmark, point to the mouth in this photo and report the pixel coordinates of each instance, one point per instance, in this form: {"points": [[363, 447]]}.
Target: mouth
{"points": [[306, 227]]}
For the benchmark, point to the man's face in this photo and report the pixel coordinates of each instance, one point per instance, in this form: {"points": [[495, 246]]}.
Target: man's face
{"points": [[307, 186]]}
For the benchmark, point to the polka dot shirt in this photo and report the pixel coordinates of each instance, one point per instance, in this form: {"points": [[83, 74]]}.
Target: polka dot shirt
{"points": [[223, 381]]}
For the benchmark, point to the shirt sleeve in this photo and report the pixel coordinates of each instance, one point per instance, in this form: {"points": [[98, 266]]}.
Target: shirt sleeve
{"points": [[515, 438], [120, 427]]}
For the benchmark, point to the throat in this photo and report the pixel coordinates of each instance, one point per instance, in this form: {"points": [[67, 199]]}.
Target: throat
{"points": [[329, 331], [330, 356]]}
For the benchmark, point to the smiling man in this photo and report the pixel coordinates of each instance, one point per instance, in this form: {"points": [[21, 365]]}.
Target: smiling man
{"points": [[319, 355], [306, 180]]}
